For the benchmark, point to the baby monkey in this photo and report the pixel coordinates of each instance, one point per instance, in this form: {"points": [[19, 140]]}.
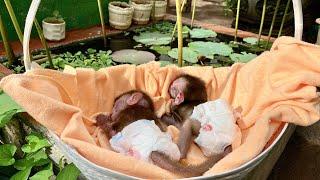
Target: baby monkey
{"points": [[136, 105], [186, 92]]}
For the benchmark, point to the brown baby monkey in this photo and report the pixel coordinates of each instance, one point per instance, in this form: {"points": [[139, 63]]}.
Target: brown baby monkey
{"points": [[186, 92], [135, 105]]}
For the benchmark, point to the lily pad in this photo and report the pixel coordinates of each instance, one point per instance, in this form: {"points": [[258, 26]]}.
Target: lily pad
{"points": [[132, 56], [165, 63], [202, 33], [161, 49], [243, 57], [251, 40], [209, 49], [153, 38], [188, 54], [185, 31]]}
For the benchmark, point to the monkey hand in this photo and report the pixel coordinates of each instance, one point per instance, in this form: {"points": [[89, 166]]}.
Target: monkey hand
{"points": [[102, 120]]}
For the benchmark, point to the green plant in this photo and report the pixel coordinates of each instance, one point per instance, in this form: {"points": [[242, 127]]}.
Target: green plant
{"points": [[202, 33], [89, 59], [153, 38], [55, 18], [34, 164]]}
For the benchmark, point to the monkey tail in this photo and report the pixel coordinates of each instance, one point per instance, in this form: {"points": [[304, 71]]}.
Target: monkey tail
{"points": [[165, 162]]}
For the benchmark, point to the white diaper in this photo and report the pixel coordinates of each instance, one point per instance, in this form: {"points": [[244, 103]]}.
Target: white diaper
{"points": [[218, 127], [140, 138]]}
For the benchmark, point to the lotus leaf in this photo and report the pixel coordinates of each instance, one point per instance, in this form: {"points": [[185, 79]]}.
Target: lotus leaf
{"points": [[161, 49], [132, 56], [243, 57], [188, 54], [209, 49], [251, 40], [153, 38], [202, 33]]}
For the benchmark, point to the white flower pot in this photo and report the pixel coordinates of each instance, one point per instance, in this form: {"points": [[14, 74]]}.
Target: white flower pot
{"points": [[54, 30], [160, 9], [142, 11], [120, 15]]}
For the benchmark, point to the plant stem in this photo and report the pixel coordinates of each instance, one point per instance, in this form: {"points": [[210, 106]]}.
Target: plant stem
{"points": [[284, 17], [272, 23], [193, 11], [180, 38], [262, 19], [7, 47], [175, 26], [14, 20], [102, 23], [44, 42], [237, 20]]}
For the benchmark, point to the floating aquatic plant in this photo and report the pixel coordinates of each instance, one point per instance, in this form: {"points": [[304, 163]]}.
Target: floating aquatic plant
{"points": [[188, 54], [243, 57], [161, 49], [251, 40], [153, 38], [202, 33], [132, 56], [209, 49]]}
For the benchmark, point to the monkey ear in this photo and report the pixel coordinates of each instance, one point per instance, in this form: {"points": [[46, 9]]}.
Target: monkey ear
{"points": [[179, 99], [134, 98]]}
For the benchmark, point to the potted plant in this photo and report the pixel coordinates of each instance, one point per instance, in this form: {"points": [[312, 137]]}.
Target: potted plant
{"points": [[159, 10], [54, 28], [120, 15], [142, 11]]}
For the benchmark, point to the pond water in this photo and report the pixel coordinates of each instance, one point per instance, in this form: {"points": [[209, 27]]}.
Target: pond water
{"points": [[224, 52]]}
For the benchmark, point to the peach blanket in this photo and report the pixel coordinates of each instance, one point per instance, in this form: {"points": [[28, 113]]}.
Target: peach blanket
{"points": [[278, 86]]}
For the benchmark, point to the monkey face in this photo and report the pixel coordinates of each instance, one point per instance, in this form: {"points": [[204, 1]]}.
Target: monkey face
{"points": [[176, 90]]}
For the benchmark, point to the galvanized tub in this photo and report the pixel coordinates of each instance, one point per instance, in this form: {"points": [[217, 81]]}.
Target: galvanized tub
{"points": [[257, 168]]}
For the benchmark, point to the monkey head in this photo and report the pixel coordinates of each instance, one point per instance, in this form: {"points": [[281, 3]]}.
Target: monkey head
{"points": [[128, 107], [186, 88]]}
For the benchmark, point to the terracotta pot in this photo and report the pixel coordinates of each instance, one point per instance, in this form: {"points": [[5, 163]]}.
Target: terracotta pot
{"points": [[120, 15]]}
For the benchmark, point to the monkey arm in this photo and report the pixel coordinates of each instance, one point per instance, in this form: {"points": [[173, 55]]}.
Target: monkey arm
{"points": [[188, 128], [172, 119]]}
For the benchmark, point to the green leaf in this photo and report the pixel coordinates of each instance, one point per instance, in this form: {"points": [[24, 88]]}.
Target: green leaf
{"points": [[251, 40], [188, 54], [209, 49], [70, 172], [35, 142], [161, 49], [165, 63], [8, 108], [91, 51], [243, 57], [22, 175], [153, 38], [133, 56], [46, 173], [33, 159], [6, 154], [202, 33]]}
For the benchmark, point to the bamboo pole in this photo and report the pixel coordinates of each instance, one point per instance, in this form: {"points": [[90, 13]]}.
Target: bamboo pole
{"points": [[102, 23], [180, 37], [43, 41], [272, 23], [193, 11], [7, 47], [284, 17], [14, 20], [237, 21], [175, 26], [262, 19]]}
